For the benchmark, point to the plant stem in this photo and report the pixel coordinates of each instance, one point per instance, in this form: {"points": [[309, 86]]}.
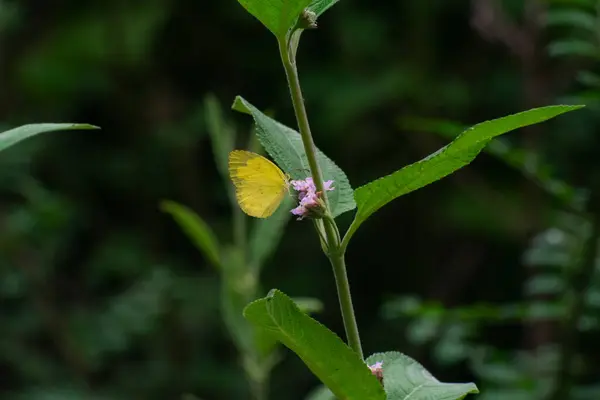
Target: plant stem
{"points": [[343, 289], [583, 274], [336, 257], [301, 116]]}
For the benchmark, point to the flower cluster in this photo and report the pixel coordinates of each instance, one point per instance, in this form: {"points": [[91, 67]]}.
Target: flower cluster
{"points": [[310, 201], [377, 370]]}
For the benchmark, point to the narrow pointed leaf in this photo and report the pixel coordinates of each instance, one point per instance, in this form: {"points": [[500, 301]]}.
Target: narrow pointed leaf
{"points": [[278, 16], [196, 229], [460, 152], [285, 146], [527, 162], [323, 352], [16, 135], [406, 379]]}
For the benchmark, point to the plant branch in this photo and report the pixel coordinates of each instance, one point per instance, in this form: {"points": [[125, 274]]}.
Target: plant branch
{"points": [[348, 235], [336, 257]]}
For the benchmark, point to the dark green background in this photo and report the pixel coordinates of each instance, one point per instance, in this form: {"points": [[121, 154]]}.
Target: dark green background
{"points": [[100, 293]]}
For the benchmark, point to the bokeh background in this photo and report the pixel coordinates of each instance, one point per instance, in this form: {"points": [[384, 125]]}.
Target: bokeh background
{"points": [[103, 297]]}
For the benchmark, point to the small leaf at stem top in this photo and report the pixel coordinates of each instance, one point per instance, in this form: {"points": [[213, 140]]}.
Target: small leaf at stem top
{"points": [[279, 16]]}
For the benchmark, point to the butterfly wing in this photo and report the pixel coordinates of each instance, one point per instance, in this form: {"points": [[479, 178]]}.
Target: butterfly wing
{"points": [[259, 184]]}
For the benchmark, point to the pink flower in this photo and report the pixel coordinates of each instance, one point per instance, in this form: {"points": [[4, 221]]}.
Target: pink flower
{"points": [[377, 370], [300, 211], [310, 202], [311, 199], [303, 185], [376, 367]]}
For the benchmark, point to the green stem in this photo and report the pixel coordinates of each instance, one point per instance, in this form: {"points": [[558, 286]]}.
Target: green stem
{"points": [[259, 388], [343, 289], [301, 116], [349, 233], [336, 257]]}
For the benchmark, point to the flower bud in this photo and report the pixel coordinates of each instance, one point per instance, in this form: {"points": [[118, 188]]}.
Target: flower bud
{"points": [[308, 19]]}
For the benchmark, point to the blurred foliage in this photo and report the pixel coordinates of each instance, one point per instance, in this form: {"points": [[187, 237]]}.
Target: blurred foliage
{"points": [[562, 286], [103, 297]]}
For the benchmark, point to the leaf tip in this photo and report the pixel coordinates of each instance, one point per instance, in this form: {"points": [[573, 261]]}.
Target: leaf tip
{"points": [[166, 205], [87, 127], [77, 126], [239, 105], [246, 312]]}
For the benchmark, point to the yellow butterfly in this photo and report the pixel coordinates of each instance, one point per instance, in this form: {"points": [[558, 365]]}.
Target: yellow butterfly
{"points": [[260, 185]]}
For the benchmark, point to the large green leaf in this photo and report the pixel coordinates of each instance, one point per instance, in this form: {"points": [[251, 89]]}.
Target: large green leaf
{"points": [[308, 305], [324, 353], [196, 229], [286, 148], [14, 136], [405, 379], [279, 16], [527, 162], [374, 195]]}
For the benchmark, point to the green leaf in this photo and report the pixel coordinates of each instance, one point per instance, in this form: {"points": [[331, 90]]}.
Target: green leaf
{"points": [[460, 152], [323, 352], [196, 229], [405, 379], [279, 16], [221, 134], [308, 305], [320, 6], [14, 136], [573, 47], [286, 148], [527, 162], [267, 233], [572, 18]]}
